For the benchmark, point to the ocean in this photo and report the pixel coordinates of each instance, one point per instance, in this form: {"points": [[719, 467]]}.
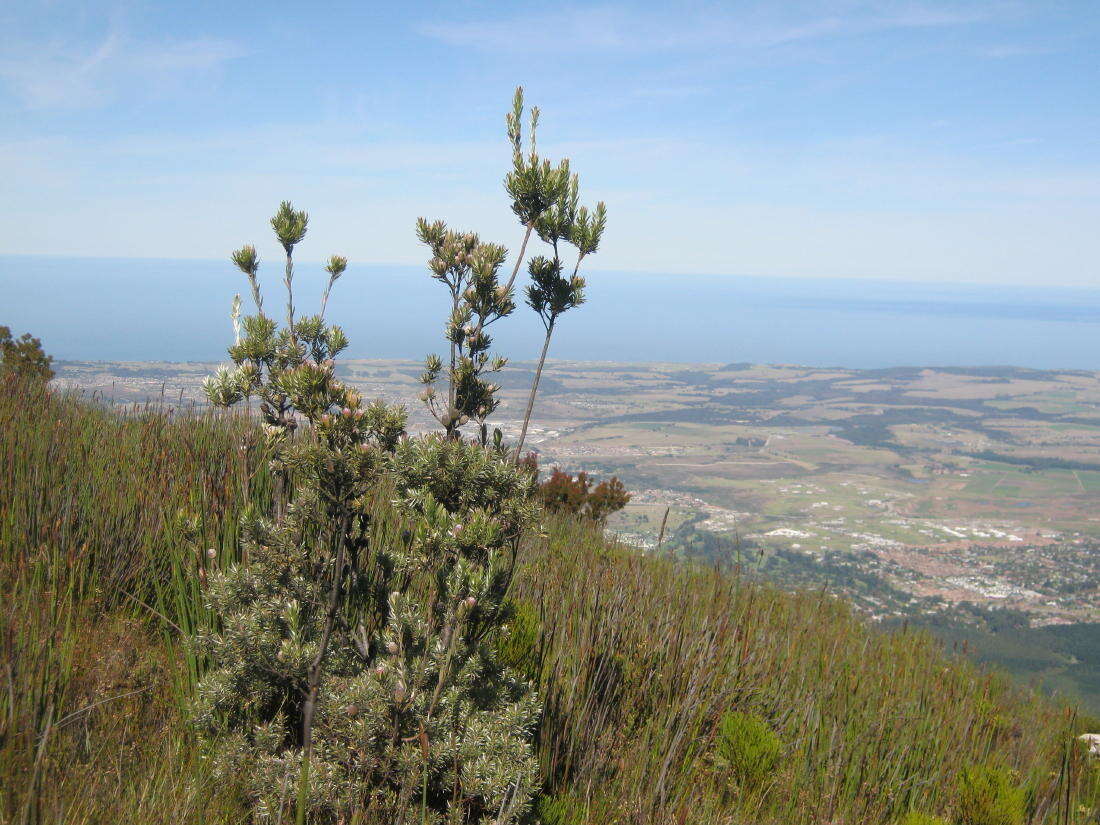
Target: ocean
{"points": [[174, 310]]}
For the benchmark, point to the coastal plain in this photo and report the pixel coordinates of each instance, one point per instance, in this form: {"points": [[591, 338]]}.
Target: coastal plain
{"points": [[947, 485]]}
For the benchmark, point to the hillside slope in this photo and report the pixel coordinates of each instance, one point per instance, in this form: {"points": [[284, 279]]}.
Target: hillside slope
{"points": [[637, 661]]}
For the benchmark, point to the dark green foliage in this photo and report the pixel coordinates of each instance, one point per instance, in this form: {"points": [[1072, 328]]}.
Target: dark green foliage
{"points": [[1034, 462], [289, 225], [534, 185], [23, 357], [558, 220], [550, 294], [747, 746], [518, 643], [988, 795]]}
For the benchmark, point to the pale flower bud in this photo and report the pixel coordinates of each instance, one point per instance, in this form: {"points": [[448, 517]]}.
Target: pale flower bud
{"points": [[391, 648], [471, 602], [211, 552]]}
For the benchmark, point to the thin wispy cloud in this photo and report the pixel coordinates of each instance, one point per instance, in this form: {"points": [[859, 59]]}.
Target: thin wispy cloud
{"points": [[44, 75], [810, 137], [1010, 50], [619, 28]]}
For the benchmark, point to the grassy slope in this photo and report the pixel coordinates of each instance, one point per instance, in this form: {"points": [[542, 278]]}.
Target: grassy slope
{"points": [[635, 658]]}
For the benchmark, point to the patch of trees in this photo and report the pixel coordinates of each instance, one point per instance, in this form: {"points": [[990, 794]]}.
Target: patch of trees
{"points": [[750, 441]]}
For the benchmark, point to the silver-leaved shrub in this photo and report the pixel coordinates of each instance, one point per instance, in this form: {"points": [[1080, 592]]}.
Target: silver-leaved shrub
{"points": [[351, 668]]}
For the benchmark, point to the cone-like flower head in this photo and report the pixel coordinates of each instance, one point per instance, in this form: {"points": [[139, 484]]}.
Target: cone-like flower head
{"points": [[289, 225]]}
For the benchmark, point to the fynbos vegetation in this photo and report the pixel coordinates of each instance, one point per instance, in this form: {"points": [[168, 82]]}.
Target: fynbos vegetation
{"points": [[545, 199], [368, 627], [635, 661], [351, 675]]}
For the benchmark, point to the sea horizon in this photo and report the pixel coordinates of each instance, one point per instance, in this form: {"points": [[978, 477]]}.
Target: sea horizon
{"points": [[171, 310]]}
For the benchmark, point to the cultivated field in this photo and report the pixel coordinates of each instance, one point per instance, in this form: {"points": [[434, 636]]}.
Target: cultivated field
{"points": [[959, 484]]}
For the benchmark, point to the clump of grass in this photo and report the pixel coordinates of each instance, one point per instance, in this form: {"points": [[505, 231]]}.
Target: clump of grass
{"points": [[642, 656], [559, 810], [518, 643], [89, 500]]}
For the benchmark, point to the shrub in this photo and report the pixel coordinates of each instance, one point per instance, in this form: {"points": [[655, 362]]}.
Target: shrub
{"points": [[747, 746], [575, 495], [23, 357], [470, 269], [353, 668], [351, 671], [544, 199], [987, 795]]}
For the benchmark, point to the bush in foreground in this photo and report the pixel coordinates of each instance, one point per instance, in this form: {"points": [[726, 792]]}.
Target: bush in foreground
{"points": [[352, 675]]}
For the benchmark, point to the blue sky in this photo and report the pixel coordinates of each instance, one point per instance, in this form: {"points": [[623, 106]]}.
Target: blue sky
{"points": [[905, 140]]}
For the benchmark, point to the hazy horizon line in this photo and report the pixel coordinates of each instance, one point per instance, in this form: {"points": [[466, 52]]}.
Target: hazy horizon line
{"points": [[717, 365], [931, 282]]}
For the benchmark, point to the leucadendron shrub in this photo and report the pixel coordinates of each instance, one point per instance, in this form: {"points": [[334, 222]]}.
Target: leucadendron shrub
{"points": [[352, 674]]}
